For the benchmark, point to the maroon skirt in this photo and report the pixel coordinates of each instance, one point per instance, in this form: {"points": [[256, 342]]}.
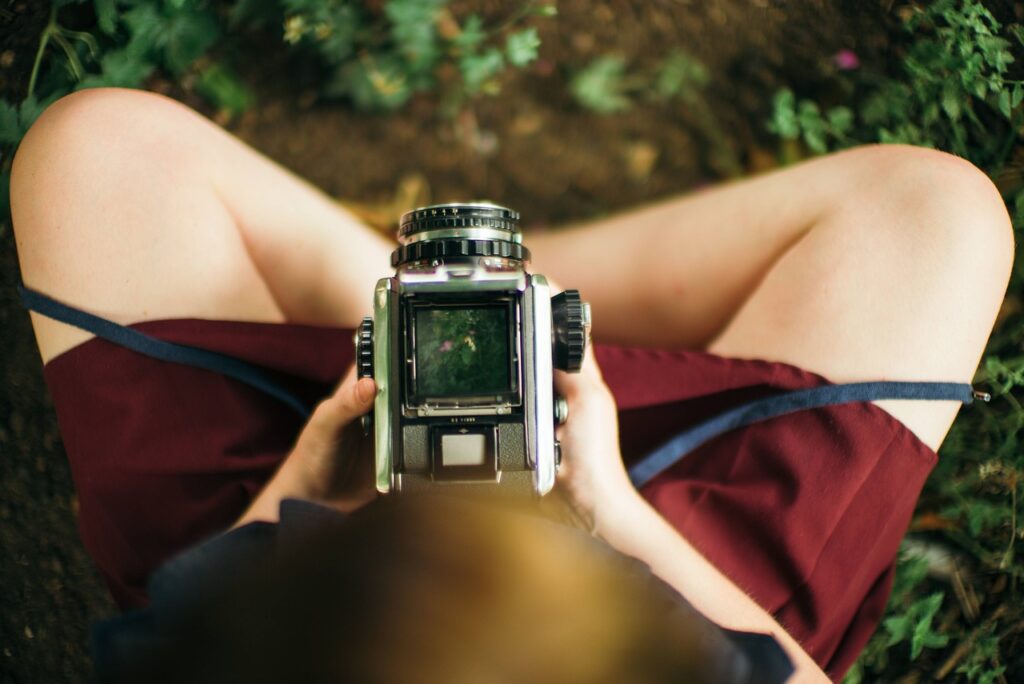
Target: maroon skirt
{"points": [[805, 512]]}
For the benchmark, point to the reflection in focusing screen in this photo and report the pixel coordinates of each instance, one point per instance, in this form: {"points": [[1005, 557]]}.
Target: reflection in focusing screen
{"points": [[462, 351]]}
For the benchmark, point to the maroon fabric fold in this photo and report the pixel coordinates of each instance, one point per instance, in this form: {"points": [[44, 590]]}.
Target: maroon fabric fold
{"points": [[805, 511]]}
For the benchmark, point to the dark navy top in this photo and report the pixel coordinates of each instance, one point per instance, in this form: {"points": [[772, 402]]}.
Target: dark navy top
{"points": [[738, 657]]}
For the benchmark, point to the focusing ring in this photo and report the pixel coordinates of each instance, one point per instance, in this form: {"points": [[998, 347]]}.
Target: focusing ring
{"points": [[450, 249], [440, 216]]}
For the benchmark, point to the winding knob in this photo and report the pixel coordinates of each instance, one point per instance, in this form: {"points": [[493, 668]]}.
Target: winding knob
{"points": [[364, 349], [570, 321]]}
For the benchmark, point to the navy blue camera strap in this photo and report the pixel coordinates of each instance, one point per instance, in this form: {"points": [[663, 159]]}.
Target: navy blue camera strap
{"points": [[641, 472], [675, 448], [148, 345]]}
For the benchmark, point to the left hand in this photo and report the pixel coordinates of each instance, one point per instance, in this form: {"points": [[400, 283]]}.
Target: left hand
{"points": [[592, 472], [332, 461]]}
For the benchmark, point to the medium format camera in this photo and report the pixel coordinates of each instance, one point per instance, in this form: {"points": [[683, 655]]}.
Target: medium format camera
{"points": [[462, 345]]}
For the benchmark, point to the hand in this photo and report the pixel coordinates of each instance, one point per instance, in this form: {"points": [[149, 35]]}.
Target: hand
{"points": [[331, 462], [592, 472]]}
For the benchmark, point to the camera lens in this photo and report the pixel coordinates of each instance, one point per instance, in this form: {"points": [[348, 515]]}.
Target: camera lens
{"points": [[459, 231]]}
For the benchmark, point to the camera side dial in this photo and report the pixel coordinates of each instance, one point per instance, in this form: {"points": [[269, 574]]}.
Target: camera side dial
{"points": [[364, 362], [570, 317]]}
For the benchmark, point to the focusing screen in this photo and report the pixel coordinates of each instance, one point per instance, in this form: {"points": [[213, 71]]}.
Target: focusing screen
{"points": [[462, 351]]}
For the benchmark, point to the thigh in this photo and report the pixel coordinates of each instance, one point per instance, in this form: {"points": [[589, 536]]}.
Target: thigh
{"points": [[881, 262], [902, 285], [673, 274], [132, 206]]}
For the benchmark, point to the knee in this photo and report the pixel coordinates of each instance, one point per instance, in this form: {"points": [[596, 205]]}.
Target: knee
{"points": [[88, 132], [89, 145], [946, 214]]}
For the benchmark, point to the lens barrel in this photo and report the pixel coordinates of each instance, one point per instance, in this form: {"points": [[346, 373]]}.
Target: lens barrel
{"points": [[459, 231]]}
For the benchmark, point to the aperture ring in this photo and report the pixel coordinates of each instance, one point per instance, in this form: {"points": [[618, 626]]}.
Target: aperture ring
{"points": [[441, 216]]}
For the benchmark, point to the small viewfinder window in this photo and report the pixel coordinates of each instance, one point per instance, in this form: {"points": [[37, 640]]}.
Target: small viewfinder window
{"points": [[463, 450], [462, 351]]}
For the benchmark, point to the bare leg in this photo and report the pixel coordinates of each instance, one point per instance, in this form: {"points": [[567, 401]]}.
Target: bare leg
{"points": [[876, 263], [132, 206]]}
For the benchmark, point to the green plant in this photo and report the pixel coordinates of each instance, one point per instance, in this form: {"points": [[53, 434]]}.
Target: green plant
{"points": [[129, 41], [602, 86], [380, 61], [915, 625], [953, 80], [606, 86], [805, 120], [982, 665]]}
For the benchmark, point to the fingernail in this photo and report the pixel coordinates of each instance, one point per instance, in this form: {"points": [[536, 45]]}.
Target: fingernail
{"points": [[364, 390]]}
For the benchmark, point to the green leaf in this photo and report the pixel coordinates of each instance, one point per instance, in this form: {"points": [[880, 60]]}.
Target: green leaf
{"points": [[840, 119], [30, 109], [413, 30], [898, 628], [376, 82], [983, 516], [1004, 104], [599, 86], [471, 35], [1017, 31], [951, 97], [815, 140], [784, 122], [916, 624], [189, 36], [331, 30], [477, 69], [923, 612], [224, 89], [10, 130], [924, 638], [106, 15], [120, 68], [144, 24], [680, 74], [521, 47]]}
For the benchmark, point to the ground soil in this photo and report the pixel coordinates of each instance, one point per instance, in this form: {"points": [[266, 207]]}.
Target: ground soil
{"points": [[531, 148]]}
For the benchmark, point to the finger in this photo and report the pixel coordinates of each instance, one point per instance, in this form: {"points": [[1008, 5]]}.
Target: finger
{"points": [[571, 384], [353, 398]]}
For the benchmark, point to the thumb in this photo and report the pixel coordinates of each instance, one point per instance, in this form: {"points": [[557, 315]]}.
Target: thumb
{"points": [[353, 398]]}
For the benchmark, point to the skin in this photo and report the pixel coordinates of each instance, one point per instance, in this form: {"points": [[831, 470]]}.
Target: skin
{"points": [[882, 262]]}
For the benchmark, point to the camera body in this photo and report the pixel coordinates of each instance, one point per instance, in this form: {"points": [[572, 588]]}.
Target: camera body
{"points": [[462, 345]]}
